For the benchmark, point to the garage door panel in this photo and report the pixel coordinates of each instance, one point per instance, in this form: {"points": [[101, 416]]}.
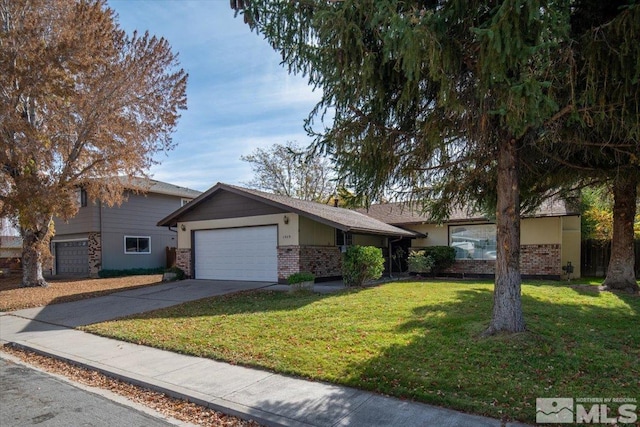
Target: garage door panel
{"points": [[237, 254], [72, 258]]}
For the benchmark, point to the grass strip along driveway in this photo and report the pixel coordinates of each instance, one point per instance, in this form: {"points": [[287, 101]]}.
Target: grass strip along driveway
{"points": [[417, 340]]}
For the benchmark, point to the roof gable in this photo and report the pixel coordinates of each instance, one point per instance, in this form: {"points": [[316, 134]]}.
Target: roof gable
{"points": [[410, 213], [225, 204], [342, 219], [147, 185]]}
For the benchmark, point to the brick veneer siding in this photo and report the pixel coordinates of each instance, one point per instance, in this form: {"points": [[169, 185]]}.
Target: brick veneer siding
{"points": [[540, 260], [323, 261], [94, 250], [535, 260], [183, 261], [288, 261]]}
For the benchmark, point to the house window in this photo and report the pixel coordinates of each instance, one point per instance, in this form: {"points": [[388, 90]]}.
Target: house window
{"points": [[81, 197], [343, 238], [473, 241], [137, 244]]}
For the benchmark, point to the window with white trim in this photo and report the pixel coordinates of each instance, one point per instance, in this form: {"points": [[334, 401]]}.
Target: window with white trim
{"points": [[477, 241], [137, 244], [81, 197]]}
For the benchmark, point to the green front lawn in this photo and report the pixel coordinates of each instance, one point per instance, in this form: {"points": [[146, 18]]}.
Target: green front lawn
{"points": [[417, 340]]}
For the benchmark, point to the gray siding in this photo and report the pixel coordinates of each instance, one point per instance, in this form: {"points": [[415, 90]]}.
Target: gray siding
{"points": [[85, 221], [72, 236], [229, 205], [139, 214], [114, 257], [137, 217]]}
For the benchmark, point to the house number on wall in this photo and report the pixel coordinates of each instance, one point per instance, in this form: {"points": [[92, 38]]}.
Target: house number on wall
{"points": [[286, 236]]}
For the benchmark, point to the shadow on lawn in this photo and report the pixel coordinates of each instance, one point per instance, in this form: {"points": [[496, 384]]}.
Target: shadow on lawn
{"points": [[244, 302], [571, 350]]}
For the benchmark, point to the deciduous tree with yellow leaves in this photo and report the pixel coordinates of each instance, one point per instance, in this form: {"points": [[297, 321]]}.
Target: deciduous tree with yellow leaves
{"points": [[80, 102]]}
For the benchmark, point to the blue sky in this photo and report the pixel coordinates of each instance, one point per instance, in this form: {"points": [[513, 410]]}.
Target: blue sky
{"points": [[239, 96]]}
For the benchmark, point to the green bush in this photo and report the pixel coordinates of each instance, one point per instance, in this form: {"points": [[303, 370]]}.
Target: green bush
{"points": [[300, 277], [130, 272], [419, 262], [443, 257], [178, 271], [362, 263]]}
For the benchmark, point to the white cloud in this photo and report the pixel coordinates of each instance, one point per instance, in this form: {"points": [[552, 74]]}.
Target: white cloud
{"points": [[239, 96]]}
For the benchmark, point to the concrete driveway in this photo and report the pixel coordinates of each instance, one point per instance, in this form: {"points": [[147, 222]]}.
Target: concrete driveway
{"points": [[125, 303]]}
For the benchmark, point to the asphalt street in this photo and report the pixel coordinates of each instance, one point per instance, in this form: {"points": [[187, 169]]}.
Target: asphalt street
{"points": [[34, 398]]}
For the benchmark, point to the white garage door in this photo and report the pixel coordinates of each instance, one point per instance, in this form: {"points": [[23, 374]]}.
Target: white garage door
{"points": [[237, 254]]}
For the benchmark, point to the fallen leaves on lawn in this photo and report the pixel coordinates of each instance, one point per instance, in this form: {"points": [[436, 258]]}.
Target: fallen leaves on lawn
{"points": [[13, 297]]}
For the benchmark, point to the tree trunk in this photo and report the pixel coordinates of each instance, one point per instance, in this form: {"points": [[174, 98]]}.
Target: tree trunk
{"points": [[32, 259], [621, 270], [507, 305]]}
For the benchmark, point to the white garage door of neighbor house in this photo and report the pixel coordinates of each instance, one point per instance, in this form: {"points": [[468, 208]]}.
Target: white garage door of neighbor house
{"points": [[249, 253]]}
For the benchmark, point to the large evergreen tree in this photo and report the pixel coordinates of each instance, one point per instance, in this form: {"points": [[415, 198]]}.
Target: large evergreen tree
{"points": [[610, 96], [437, 95], [445, 100], [601, 138]]}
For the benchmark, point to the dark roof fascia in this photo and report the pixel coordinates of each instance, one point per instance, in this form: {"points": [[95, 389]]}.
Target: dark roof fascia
{"points": [[286, 208], [171, 220], [314, 217], [407, 233], [478, 220]]}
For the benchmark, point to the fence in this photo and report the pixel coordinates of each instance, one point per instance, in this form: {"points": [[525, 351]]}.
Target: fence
{"points": [[171, 257], [595, 256]]}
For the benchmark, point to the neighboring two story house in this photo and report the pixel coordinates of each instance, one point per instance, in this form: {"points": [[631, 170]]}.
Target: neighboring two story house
{"points": [[119, 237], [10, 246]]}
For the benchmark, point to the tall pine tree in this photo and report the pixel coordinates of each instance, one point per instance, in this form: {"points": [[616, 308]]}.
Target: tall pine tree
{"points": [[444, 99]]}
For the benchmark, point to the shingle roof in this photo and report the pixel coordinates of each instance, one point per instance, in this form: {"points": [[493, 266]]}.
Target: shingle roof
{"points": [[406, 214], [343, 219], [158, 187]]}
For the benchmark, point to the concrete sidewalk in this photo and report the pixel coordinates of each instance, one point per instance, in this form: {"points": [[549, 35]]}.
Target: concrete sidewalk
{"points": [[263, 396]]}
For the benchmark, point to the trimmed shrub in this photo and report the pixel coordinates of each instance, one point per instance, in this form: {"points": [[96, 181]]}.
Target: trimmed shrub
{"points": [[130, 272], [178, 272], [443, 257], [301, 277], [362, 263], [419, 262]]}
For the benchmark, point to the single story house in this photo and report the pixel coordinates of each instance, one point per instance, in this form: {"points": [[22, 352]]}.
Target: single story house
{"points": [[235, 233], [549, 238], [121, 237]]}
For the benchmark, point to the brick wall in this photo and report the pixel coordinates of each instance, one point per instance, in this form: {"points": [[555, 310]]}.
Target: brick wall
{"points": [[472, 267], [540, 260], [535, 260], [323, 261], [183, 260], [94, 250], [288, 261]]}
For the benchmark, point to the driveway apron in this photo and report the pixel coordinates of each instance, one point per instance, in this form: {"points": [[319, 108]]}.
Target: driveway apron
{"points": [[119, 304]]}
